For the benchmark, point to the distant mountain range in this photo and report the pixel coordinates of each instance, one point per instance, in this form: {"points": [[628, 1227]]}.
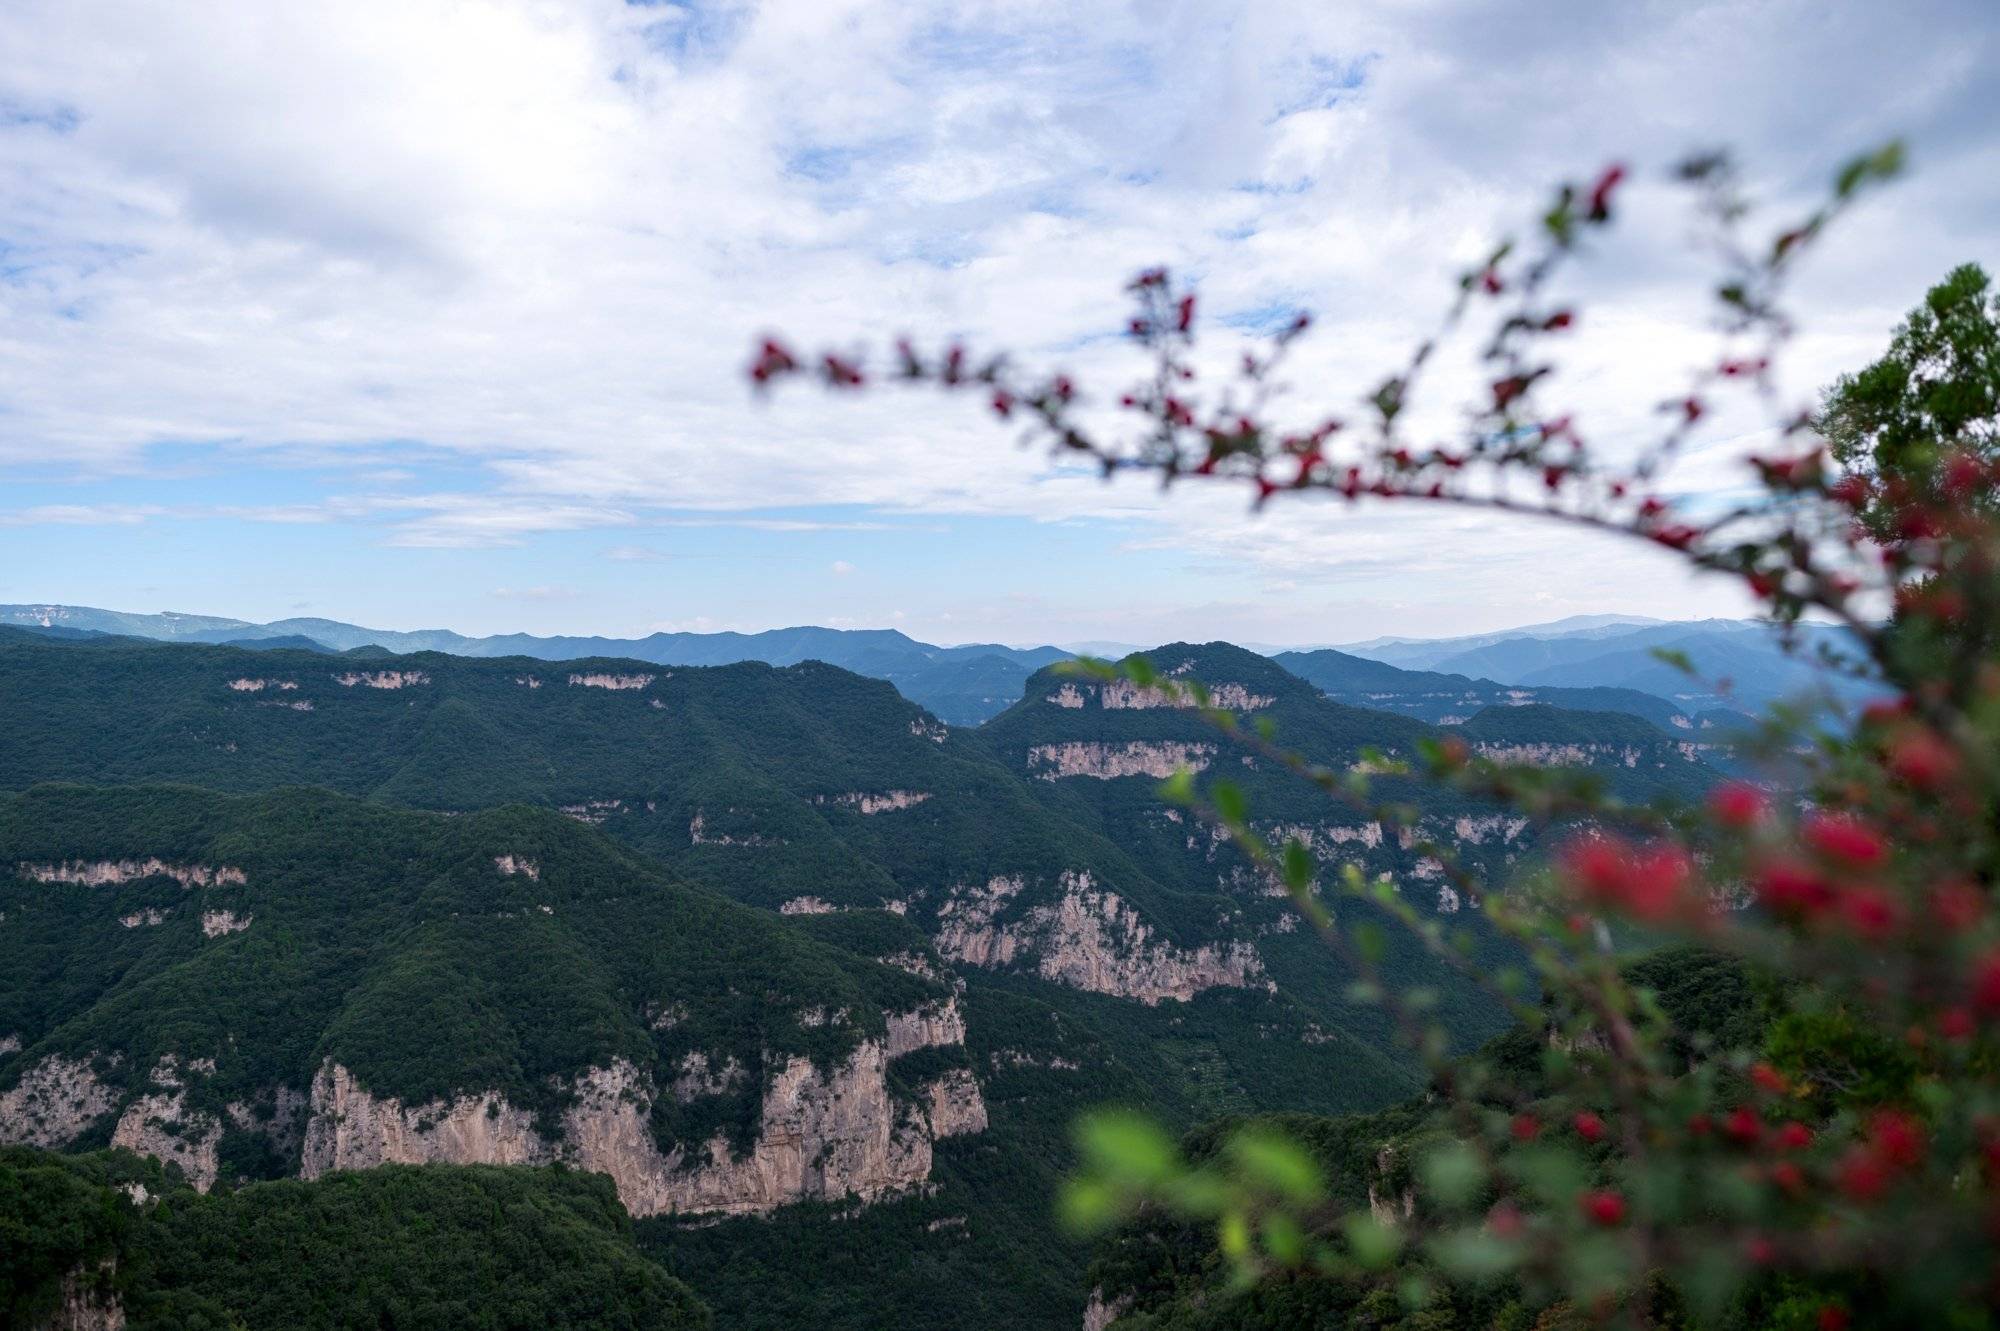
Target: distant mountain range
{"points": [[1737, 664], [1594, 662], [961, 685]]}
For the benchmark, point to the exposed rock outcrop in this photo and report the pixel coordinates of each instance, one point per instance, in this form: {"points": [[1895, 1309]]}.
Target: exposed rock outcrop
{"points": [[821, 1135], [1099, 1314], [348, 1128], [1123, 695], [930, 1027], [823, 1132], [89, 1302], [616, 683], [806, 906], [956, 1106], [141, 919], [515, 864], [1108, 761], [699, 1078], [55, 1100], [259, 685], [862, 801], [106, 873], [216, 923], [160, 1124], [1088, 939], [382, 679]]}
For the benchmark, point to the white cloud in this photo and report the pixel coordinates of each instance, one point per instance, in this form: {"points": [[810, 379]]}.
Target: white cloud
{"points": [[840, 568], [541, 236]]}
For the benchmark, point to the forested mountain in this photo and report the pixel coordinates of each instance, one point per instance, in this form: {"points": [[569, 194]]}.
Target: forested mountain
{"points": [[965, 937], [1737, 664], [1449, 699], [107, 1236], [962, 685]]}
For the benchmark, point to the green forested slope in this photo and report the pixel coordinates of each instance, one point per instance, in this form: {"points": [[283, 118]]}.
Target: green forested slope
{"points": [[389, 941], [430, 1249]]}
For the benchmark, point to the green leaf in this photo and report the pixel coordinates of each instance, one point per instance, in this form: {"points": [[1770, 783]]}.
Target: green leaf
{"points": [[1278, 1164], [1674, 657], [1233, 1236], [1283, 1239], [1127, 1147], [1474, 1254], [1298, 866], [1553, 1174], [1229, 802], [1452, 1174], [1089, 1206], [1373, 1244]]}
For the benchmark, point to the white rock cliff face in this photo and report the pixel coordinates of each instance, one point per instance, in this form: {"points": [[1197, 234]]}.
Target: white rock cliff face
{"points": [[1088, 939], [55, 1100], [1124, 695], [886, 801], [347, 1128], [616, 683], [1107, 762], [106, 873], [382, 679], [160, 1125], [823, 1133], [216, 923]]}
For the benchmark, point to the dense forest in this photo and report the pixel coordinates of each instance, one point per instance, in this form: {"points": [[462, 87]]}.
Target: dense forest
{"points": [[381, 816]]}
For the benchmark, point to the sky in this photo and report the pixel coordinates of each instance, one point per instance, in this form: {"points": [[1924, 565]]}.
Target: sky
{"points": [[435, 313]]}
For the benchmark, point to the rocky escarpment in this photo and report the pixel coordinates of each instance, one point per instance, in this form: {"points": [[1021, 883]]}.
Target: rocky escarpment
{"points": [[1571, 754], [216, 923], [1108, 761], [823, 1132], [1089, 939], [160, 1124], [381, 679], [109, 873], [1121, 695], [862, 801], [89, 1302], [1099, 1313], [55, 1100], [615, 683]]}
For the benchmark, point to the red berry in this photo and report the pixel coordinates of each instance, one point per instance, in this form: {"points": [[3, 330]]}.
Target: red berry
{"points": [[1986, 983], [1861, 1176], [1845, 838], [1602, 1208], [1589, 1126], [1896, 1138], [1794, 1137], [1922, 759], [1737, 804]]}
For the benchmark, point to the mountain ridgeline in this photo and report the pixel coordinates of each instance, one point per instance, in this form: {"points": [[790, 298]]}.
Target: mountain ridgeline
{"points": [[799, 967], [962, 685]]}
